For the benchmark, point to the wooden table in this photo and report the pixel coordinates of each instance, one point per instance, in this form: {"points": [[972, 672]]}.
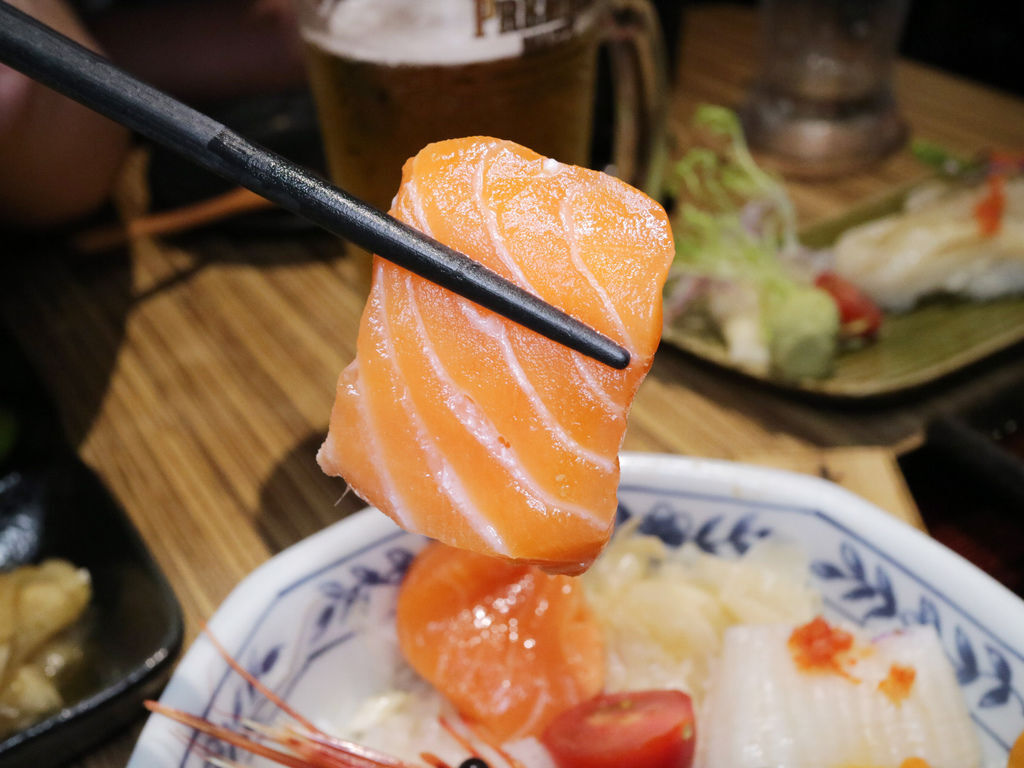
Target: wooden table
{"points": [[197, 378]]}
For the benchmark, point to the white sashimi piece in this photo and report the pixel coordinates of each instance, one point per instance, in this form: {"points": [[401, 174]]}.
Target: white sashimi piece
{"points": [[737, 310], [764, 711], [936, 246]]}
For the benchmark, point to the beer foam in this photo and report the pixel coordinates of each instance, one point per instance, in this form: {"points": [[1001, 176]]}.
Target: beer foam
{"points": [[419, 32]]}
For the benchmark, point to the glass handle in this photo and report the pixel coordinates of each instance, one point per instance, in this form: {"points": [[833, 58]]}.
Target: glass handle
{"points": [[640, 82]]}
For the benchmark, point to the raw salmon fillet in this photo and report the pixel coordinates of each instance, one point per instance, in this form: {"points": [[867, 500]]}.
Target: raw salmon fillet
{"points": [[510, 646], [468, 428]]}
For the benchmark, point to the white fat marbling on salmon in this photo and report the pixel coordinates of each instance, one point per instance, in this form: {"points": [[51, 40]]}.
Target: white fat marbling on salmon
{"points": [[490, 219], [568, 223], [418, 214], [367, 428], [413, 211], [483, 430], [442, 472], [596, 391], [539, 708], [490, 325]]}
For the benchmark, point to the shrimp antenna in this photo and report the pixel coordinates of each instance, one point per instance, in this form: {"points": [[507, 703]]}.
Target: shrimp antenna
{"points": [[251, 679]]}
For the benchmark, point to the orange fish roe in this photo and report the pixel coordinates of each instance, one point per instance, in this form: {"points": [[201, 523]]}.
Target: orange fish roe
{"points": [[898, 683], [817, 646], [989, 210]]}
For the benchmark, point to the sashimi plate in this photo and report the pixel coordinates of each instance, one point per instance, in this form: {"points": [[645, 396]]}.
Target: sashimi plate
{"points": [[936, 338], [307, 623]]}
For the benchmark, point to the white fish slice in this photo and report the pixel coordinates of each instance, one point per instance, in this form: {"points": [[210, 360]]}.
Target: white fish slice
{"points": [[936, 246], [765, 711]]}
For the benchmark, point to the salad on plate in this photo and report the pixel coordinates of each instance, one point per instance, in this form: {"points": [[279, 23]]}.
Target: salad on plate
{"points": [[788, 311]]}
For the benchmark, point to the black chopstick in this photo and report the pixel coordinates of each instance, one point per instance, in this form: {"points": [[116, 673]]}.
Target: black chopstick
{"points": [[67, 67]]}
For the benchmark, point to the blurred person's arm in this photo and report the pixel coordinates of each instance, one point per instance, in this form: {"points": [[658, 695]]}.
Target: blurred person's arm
{"points": [[206, 50], [58, 159]]}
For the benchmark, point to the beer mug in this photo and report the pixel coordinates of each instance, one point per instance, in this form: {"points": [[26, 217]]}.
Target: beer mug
{"points": [[390, 76]]}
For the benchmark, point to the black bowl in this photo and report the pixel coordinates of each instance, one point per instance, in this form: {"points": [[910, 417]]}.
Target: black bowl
{"points": [[52, 505]]}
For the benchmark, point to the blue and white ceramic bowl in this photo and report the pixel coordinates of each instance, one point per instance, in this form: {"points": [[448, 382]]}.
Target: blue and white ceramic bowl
{"points": [[307, 622]]}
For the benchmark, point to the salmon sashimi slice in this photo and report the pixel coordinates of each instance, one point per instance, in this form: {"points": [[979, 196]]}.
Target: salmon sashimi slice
{"points": [[509, 645], [467, 427]]}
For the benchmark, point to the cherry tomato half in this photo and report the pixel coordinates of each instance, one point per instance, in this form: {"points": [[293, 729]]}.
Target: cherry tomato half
{"points": [[641, 729], [858, 315]]}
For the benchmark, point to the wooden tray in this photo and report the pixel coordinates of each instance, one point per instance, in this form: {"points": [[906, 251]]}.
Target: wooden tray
{"points": [[932, 340]]}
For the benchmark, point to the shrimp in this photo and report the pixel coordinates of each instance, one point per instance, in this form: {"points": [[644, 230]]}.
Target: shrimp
{"points": [[300, 744]]}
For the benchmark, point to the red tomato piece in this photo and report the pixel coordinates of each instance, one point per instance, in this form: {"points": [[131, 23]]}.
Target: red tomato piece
{"points": [[639, 729], [858, 314]]}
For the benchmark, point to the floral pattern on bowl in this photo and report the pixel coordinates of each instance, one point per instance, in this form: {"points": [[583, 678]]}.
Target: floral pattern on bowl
{"points": [[311, 623]]}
